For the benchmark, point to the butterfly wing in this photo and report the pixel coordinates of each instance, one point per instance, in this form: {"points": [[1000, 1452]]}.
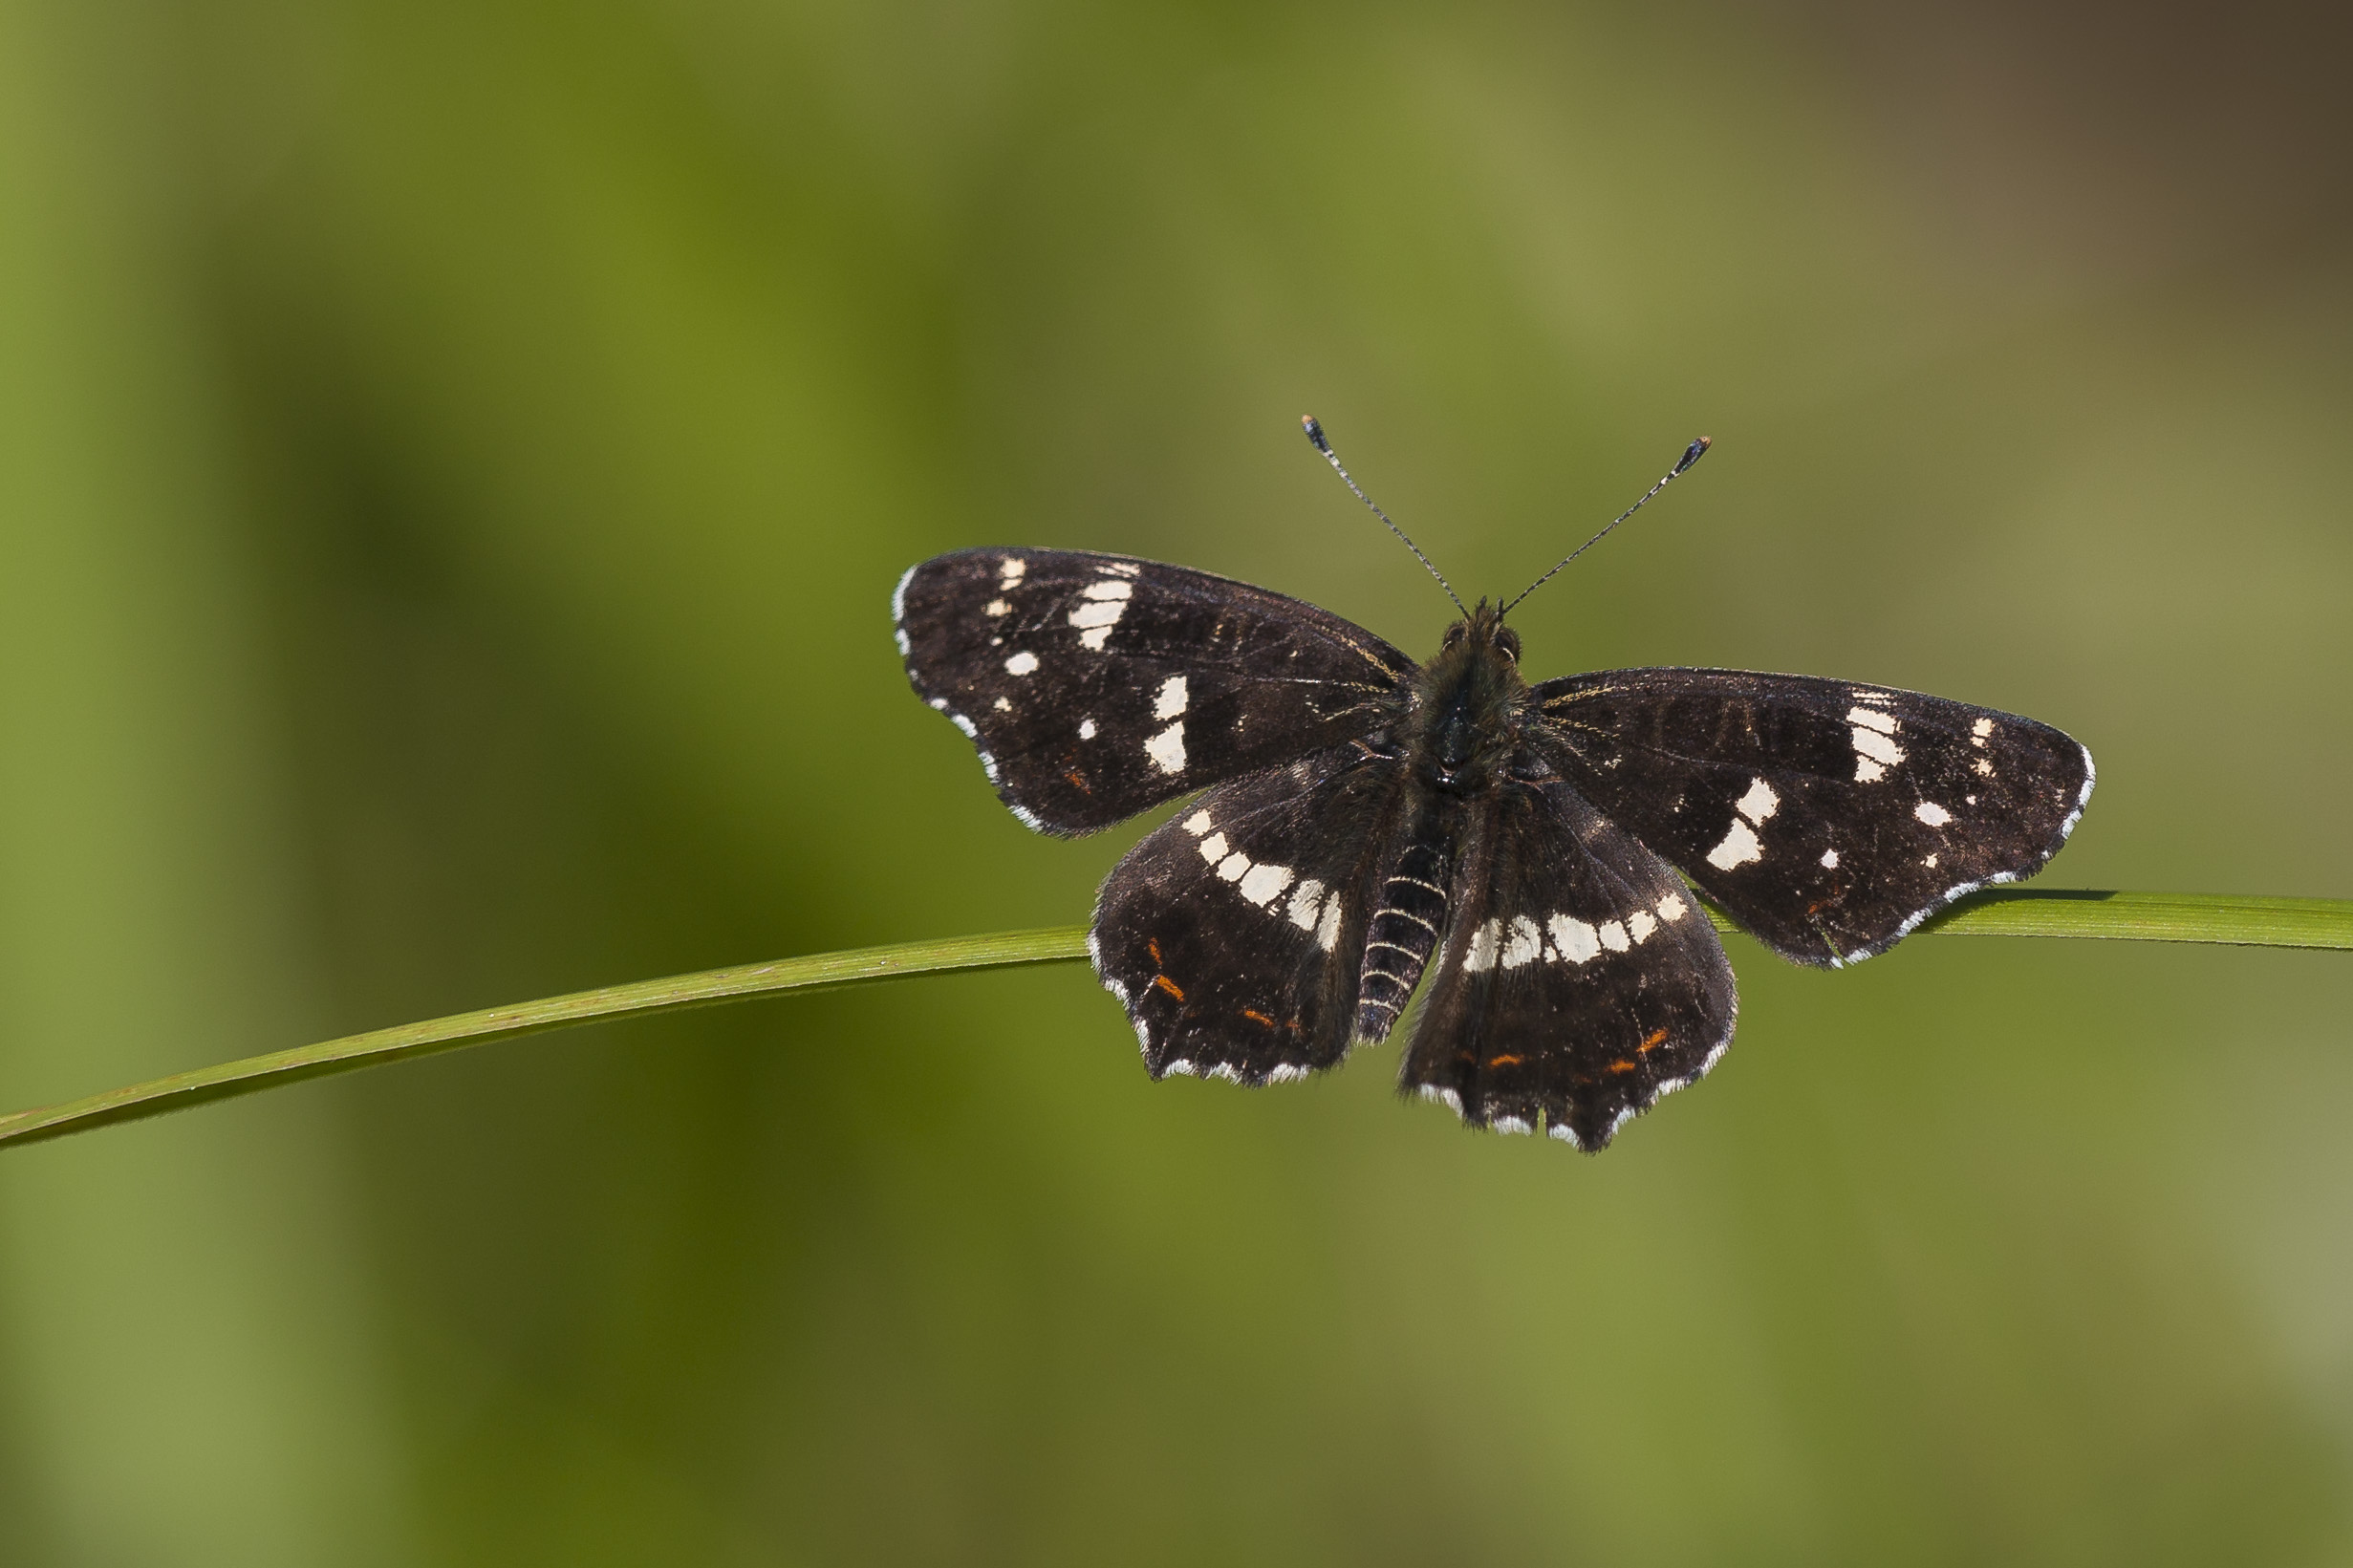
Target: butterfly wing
{"points": [[1579, 980], [1827, 818], [1235, 934], [1097, 686]]}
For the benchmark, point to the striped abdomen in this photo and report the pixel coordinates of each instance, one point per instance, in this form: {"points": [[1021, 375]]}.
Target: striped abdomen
{"points": [[1401, 935]]}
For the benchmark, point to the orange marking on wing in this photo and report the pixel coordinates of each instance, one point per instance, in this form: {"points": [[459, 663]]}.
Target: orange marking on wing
{"points": [[1153, 947], [1622, 1065], [1503, 1061], [1256, 1016], [1651, 1043], [1168, 985], [1077, 777]]}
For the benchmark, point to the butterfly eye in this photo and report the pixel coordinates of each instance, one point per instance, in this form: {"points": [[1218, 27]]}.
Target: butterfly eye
{"points": [[1454, 635], [1507, 643]]}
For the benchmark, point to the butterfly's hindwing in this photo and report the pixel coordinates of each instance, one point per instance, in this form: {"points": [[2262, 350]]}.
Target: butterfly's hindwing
{"points": [[1097, 686], [1235, 934], [1828, 818], [1579, 981]]}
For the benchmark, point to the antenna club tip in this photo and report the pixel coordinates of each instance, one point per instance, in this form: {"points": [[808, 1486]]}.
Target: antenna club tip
{"points": [[1693, 453], [1315, 432]]}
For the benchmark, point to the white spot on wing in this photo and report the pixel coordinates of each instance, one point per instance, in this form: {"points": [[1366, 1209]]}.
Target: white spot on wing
{"points": [[1096, 639], [904, 646], [1125, 568], [1978, 731], [1759, 803], [1167, 749], [1830, 860], [996, 607], [1213, 847], [1613, 936], [1871, 719], [1002, 705], [1264, 882], [1285, 1072], [1443, 1096], [1085, 729], [1874, 752], [1098, 612], [1233, 865], [1328, 934], [1012, 571], [1738, 848], [1528, 942], [1876, 746], [971, 731], [1199, 824], [1107, 588], [1022, 663], [1171, 702], [1930, 812], [1304, 901], [1484, 942], [1509, 1124], [1573, 939], [1640, 924], [1672, 909]]}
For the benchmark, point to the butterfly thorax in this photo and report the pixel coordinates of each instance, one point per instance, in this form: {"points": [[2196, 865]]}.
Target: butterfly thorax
{"points": [[1467, 706]]}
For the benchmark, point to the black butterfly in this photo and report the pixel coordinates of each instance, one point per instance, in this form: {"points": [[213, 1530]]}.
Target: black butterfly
{"points": [[1364, 814]]}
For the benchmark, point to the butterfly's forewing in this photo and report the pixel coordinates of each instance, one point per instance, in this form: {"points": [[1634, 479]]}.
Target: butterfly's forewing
{"points": [[1097, 686], [1579, 980], [1235, 934], [1828, 818]]}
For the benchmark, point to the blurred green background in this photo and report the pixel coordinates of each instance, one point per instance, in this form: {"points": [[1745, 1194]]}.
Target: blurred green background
{"points": [[454, 460]]}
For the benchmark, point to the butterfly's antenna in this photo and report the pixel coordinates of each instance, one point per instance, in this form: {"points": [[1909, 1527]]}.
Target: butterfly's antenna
{"points": [[1315, 433], [1691, 454]]}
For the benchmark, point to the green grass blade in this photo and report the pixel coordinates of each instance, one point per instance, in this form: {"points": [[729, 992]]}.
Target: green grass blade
{"points": [[2002, 912], [642, 998], [2151, 918]]}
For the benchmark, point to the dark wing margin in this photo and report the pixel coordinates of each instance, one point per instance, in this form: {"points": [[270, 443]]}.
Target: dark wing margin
{"points": [[1579, 980], [1097, 686], [1235, 934], [1829, 818]]}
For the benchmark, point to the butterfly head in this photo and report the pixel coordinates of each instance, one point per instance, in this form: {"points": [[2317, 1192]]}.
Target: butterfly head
{"points": [[1483, 627], [1468, 703]]}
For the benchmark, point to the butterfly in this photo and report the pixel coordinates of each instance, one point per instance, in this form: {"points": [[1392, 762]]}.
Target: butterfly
{"points": [[1531, 856]]}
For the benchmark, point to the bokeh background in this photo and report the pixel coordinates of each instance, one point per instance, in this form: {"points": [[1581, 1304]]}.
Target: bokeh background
{"points": [[454, 461]]}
